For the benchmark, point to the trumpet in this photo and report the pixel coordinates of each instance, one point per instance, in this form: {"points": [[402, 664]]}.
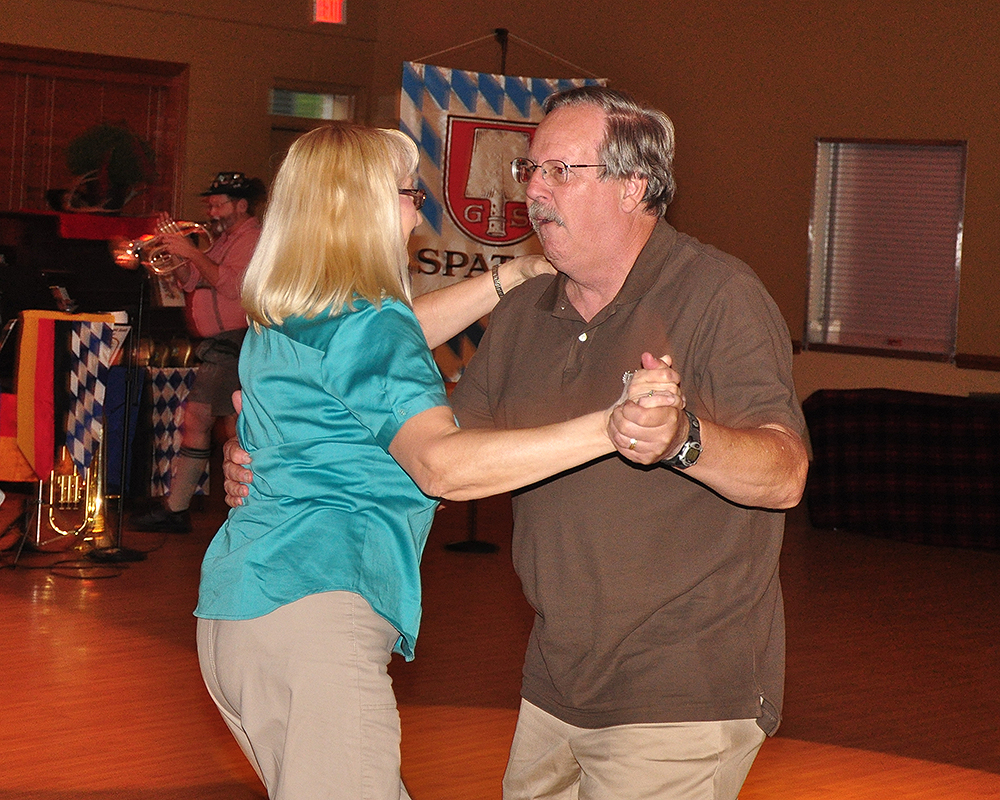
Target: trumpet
{"points": [[150, 250]]}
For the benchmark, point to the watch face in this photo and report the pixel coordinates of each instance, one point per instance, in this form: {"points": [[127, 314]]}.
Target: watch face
{"points": [[690, 453]]}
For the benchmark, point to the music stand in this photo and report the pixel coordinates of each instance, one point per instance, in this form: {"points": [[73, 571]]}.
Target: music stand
{"points": [[118, 553]]}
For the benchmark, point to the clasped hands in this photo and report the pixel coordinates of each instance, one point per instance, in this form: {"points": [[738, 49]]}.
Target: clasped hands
{"points": [[648, 424]]}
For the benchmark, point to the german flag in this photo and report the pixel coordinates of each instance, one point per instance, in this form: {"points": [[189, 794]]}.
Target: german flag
{"points": [[42, 379]]}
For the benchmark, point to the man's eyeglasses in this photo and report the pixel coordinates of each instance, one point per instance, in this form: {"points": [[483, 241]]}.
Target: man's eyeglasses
{"points": [[554, 172], [417, 195]]}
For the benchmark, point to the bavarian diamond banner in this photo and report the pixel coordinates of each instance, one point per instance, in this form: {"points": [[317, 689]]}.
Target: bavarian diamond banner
{"points": [[90, 360], [468, 127]]}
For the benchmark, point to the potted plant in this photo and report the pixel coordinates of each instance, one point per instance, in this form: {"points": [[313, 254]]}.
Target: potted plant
{"points": [[112, 166]]}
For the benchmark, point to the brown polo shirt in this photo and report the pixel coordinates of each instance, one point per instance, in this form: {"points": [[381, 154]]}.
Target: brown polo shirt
{"points": [[656, 600]]}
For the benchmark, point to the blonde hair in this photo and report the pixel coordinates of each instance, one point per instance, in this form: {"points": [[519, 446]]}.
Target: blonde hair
{"points": [[332, 230]]}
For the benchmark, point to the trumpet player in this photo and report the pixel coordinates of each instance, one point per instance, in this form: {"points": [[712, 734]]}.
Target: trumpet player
{"points": [[211, 283]]}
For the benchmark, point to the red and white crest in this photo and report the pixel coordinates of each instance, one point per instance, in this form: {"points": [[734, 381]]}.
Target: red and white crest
{"points": [[480, 193]]}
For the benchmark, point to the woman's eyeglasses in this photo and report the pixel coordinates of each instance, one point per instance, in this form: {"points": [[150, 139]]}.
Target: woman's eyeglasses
{"points": [[416, 195]]}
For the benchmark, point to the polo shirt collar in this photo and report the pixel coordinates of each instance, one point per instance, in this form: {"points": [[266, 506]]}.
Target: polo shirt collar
{"points": [[640, 279]]}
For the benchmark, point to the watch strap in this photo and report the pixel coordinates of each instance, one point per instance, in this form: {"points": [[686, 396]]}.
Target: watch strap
{"points": [[690, 451]]}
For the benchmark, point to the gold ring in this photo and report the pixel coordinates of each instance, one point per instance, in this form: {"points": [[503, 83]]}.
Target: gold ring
{"points": [[631, 444]]}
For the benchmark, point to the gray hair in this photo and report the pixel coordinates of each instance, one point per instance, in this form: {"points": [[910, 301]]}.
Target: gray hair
{"points": [[638, 142]]}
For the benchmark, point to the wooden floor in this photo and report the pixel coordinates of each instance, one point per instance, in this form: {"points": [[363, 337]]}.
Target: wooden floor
{"points": [[893, 686]]}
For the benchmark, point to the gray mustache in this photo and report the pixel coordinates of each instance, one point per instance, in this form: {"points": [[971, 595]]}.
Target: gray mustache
{"points": [[538, 214]]}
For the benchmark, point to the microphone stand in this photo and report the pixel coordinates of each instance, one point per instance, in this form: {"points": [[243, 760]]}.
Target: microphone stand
{"points": [[472, 544]]}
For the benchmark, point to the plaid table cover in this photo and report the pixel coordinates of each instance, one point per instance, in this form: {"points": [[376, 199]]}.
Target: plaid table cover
{"points": [[906, 465]]}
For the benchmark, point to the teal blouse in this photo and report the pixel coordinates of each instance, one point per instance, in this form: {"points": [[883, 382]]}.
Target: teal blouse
{"points": [[329, 509]]}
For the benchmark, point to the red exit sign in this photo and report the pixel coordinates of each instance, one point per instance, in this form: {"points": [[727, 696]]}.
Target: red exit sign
{"points": [[329, 11]]}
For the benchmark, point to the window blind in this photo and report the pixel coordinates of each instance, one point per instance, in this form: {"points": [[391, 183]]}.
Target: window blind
{"points": [[885, 246]]}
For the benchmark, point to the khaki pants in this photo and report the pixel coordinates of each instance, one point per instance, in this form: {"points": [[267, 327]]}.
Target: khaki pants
{"points": [[306, 693], [671, 761]]}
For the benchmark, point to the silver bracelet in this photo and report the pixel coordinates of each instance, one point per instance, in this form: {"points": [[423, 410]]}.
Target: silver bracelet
{"points": [[496, 281]]}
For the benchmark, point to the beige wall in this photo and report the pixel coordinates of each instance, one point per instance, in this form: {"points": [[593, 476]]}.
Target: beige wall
{"points": [[814, 371], [750, 85]]}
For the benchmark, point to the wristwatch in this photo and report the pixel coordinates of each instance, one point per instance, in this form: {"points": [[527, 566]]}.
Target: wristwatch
{"points": [[691, 449]]}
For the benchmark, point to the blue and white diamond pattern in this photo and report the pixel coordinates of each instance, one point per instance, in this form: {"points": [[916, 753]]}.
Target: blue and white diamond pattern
{"points": [[169, 389], [90, 356], [430, 94]]}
